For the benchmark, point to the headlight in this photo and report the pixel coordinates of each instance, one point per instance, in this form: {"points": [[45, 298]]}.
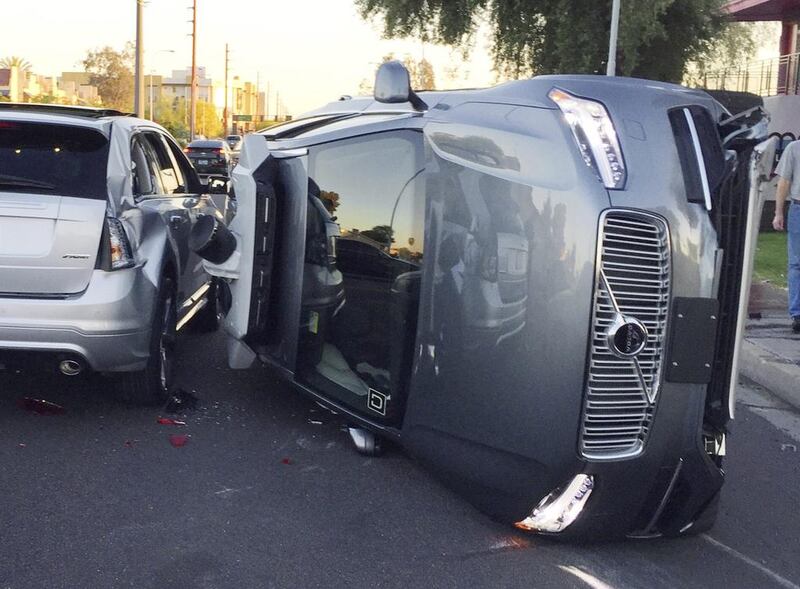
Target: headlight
{"points": [[561, 508], [596, 136]]}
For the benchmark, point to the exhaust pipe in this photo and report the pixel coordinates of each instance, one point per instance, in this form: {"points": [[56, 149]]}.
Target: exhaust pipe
{"points": [[70, 367]]}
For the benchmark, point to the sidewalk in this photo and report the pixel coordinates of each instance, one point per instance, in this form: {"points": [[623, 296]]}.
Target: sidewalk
{"points": [[770, 352]]}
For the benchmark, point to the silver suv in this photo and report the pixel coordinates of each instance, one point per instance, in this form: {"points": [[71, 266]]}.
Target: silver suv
{"points": [[96, 273]]}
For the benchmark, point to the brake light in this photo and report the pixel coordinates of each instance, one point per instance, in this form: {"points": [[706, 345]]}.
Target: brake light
{"points": [[119, 246]]}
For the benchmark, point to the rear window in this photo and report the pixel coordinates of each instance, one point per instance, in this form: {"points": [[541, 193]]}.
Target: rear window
{"points": [[205, 145], [53, 159]]}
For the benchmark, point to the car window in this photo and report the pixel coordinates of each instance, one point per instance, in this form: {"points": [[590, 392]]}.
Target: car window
{"points": [[183, 166], [360, 315], [173, 152], [53, 159], [145, 181], [170, 178]]}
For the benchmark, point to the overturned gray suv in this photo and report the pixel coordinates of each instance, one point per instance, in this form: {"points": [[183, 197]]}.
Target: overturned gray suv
{"points": [[537, 289], [96, 272]]}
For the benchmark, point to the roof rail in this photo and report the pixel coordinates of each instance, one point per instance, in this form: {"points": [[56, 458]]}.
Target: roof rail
{"points": [[65, 110]]}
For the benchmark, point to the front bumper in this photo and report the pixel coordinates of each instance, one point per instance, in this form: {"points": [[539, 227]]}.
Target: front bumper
{"points": [[668, 490], [107, 326]]}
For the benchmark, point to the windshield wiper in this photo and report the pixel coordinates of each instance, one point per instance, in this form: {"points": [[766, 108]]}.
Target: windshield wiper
{"points": [[20, 182]]}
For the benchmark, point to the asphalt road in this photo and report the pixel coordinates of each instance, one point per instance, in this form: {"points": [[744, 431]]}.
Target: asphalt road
{"points": [[268, 493]]}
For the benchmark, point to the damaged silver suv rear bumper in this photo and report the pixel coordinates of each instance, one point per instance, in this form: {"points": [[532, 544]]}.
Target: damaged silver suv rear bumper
{"points": [[106, 326]]}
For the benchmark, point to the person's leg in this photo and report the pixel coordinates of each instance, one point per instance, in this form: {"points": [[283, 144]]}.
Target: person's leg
{"points": [[793, 228]]}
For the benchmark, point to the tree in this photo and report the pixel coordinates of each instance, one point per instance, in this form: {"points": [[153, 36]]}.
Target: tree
{"points": [[112, 72], [731, 50], [657, 37], [420, 72], [23, 65], [173, 115]]}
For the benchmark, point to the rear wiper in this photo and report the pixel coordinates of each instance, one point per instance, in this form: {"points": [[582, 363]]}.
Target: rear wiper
{"points": [[20, 182]]}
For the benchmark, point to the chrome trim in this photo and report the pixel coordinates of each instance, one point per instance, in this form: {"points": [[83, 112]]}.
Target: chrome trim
{"points": [[621, 393], [698, 153]]}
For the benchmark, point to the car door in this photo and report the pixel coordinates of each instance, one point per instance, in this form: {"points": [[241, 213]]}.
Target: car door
{"points": [[266, 271], [181, 207]]}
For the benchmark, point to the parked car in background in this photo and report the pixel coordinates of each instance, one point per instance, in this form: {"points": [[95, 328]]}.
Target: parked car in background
{"points": [[234, 142], [210, 157], [96, 273], [544, 287]]}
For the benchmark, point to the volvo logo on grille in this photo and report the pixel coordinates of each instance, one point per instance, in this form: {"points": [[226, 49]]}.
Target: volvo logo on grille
{"points": [[627, 337]]}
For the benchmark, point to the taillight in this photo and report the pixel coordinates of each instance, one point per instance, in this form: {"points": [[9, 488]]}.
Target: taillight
{"points": [[119, 246]]}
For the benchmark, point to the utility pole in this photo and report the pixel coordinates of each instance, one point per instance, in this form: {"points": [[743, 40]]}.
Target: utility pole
{"points": [[225, 110], [258, 99], [193, 107], [266, 103], [277, 103], [138, 90], [612, 41]]}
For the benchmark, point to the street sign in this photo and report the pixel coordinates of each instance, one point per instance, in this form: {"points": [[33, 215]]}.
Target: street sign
{"points": [[243, 118]]}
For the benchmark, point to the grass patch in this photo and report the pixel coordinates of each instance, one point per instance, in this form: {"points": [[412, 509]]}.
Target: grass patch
{"points": [[771, 258]]}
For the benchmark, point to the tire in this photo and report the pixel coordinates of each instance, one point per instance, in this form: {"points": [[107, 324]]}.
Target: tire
{"points": [[207, 319], [151, 385]]}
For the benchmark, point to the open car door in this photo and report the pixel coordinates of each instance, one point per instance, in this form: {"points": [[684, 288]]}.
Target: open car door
{"points": [[261, 284]]}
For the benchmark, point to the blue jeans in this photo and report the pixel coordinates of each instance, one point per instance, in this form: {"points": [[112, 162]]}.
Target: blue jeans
{"points": [[793, 228]]}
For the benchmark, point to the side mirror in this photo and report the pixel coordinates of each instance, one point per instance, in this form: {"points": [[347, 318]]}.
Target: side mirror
{"points": [[217, 185], [393, 86]]}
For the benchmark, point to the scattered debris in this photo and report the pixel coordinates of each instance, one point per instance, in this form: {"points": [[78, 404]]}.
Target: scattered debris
{"points": [[169, 421], [785, 447], [130, 443], [180, 401], [286, 461], [315, 422], [21, 445], [40, 406], [178, 440]]}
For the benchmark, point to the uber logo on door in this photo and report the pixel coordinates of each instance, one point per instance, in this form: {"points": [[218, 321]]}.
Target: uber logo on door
{"points": [[377, 401]]}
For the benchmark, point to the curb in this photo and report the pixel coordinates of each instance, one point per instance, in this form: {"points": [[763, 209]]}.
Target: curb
{"points": [[772, 372]]}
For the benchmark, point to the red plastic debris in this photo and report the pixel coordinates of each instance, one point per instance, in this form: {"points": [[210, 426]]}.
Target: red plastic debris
{"points": [[169, 421], [178, 440], [40, 406], [130, 443], [286, 461]]}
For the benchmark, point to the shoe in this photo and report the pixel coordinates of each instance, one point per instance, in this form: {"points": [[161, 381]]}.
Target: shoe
{"points": [[796, 324]]}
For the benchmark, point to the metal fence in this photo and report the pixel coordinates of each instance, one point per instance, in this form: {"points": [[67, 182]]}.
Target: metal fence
{"points": [[766, 77]]}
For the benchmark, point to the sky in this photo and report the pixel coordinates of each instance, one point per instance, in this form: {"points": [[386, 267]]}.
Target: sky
{"points": [[311, 51]]}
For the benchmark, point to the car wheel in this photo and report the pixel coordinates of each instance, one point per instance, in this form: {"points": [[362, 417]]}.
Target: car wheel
{"points": [[207, 319], [151, 385]]}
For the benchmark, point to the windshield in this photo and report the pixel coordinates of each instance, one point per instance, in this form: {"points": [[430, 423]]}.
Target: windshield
{"points": [[52, 159]]}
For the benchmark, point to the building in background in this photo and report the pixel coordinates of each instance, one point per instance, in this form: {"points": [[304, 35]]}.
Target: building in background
{"points": [[248, 107], [69, 88]]}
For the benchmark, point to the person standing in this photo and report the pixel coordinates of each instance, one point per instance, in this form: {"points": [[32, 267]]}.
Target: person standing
{"points": [[789, 187]]}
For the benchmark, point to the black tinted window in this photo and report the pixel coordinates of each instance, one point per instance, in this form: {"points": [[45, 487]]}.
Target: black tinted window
{"points": [[359, 315], [53, 159]]}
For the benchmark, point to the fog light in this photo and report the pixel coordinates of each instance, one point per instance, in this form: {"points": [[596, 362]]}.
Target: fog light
{"points": [[560, 508]]}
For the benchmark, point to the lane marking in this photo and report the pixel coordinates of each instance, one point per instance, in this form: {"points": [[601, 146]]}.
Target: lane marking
{"points": [[782, 581], [587, 578]]}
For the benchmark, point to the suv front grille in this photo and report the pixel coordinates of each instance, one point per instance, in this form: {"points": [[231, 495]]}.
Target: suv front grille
{"points": [[633, 282]]}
